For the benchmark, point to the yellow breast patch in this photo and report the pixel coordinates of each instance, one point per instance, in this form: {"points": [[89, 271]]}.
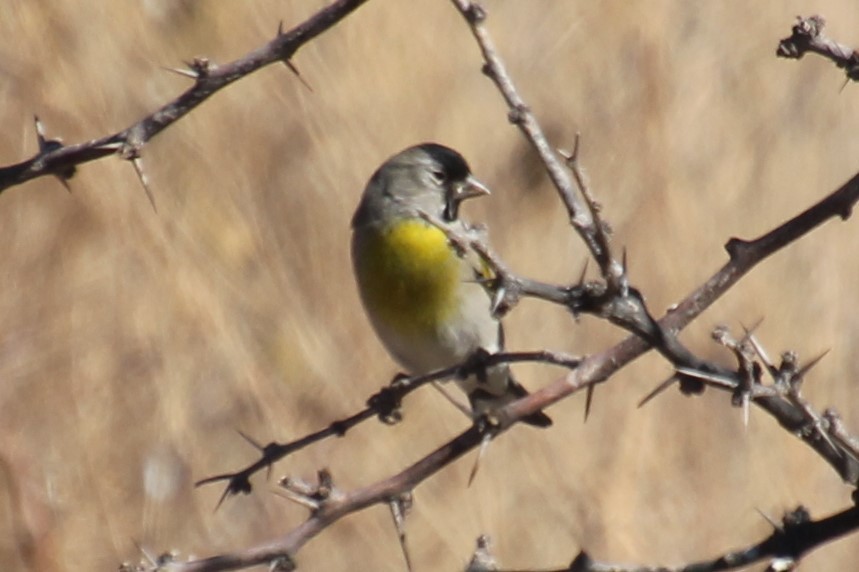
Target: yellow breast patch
{"points": [[409, 275]]}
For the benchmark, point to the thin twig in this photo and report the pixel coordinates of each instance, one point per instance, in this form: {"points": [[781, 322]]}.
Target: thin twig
{"points": [[384, 404], [521, 116], [335, 509], [60, 160]]}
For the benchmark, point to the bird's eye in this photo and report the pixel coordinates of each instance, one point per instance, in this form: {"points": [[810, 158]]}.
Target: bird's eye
{"points": [[439, 176]]}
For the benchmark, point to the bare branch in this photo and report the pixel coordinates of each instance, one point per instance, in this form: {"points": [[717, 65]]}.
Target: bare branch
{"points": [[745, 255], [630, 311], [797, 536], [385, 405], [808, 36], [521, 116], [615, 276], [336, 508], [60, 160]]}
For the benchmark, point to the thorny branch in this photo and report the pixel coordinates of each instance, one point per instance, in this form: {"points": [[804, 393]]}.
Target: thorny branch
{"points": [[788, 543], [808, 36], [628, 309], [796, 536], [385, 405], [612, 300], [59, 160], [745, 255], [335, 507], [520, 115]]}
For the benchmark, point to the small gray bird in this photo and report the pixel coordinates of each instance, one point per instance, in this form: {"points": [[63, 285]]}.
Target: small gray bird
{"points": [[424, 298]]}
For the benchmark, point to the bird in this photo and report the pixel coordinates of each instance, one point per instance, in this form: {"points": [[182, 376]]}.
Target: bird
{"points": [[426, 298]]}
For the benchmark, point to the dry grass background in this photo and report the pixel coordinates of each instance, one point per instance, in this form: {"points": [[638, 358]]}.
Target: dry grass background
{"points": [[134, 344]]}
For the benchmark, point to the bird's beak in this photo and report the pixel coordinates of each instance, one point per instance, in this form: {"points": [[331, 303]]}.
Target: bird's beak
{"points": [[466, 189], [470, 188]]}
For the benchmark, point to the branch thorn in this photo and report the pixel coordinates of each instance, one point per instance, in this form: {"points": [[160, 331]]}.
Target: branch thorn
{"points": [[657, 390], [200, 66], [49, 145], [484, 445], [589, 400], [288, 63], [583, 273], [807, 367], [776, 526], [137, 163], [400, 506], [183, 72]]}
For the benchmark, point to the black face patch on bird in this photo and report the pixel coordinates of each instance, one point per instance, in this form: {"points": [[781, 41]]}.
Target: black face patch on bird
{"points": [[451, 208], [454, 169], [453, 165]]}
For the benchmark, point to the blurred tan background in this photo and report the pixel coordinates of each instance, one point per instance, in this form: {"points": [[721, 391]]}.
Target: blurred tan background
{"points": [[134, 344]]}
